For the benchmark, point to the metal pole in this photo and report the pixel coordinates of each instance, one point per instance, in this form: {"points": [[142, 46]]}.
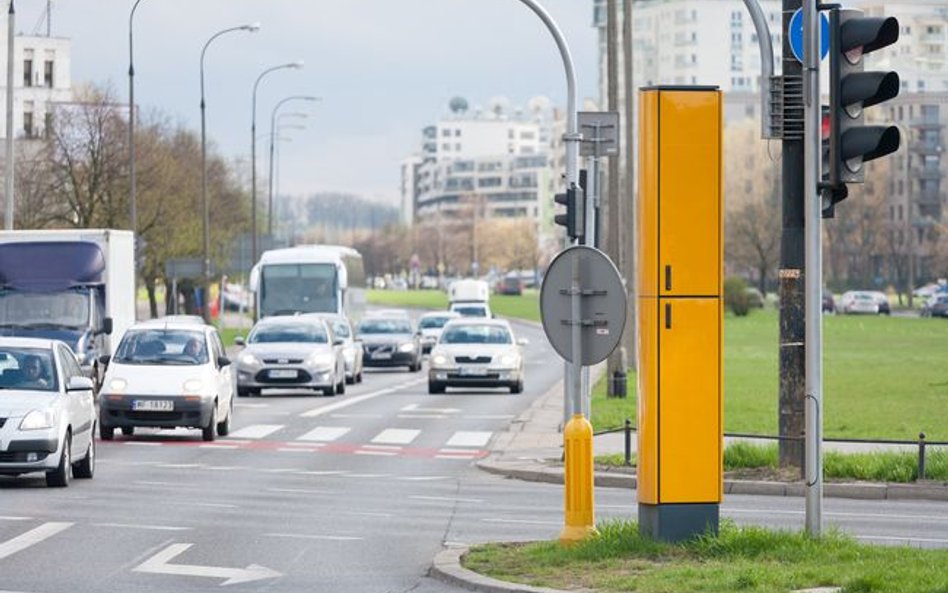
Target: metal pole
{"points": [[626, 214], [814, 265], [10, 161], [273, 116], [132, 197], [766, 67]]}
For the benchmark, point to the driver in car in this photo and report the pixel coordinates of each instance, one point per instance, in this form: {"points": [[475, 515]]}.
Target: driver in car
{"points": [[34, 374], [194, 348]]}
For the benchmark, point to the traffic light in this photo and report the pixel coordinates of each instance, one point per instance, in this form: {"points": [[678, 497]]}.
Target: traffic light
{"points": [[851, 142], [574, 219]]}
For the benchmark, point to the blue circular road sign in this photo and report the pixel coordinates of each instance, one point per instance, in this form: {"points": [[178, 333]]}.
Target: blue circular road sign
{"points": [[796, 35]]}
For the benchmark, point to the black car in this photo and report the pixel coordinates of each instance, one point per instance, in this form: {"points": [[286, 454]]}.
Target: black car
{"points": [[389, 341], [936, 307]]}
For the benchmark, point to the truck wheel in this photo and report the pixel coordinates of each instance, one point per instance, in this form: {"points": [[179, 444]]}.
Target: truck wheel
{"points": [[128, 430], [106, 433]]}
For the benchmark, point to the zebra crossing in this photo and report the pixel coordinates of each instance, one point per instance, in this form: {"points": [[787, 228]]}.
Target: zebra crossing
{"points": [[387, 442]]}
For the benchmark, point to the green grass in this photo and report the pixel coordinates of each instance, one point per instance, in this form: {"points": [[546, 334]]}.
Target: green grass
{"points": [[746, 560], [229, 333], [883, 466], [615, 460], [526, 306]]}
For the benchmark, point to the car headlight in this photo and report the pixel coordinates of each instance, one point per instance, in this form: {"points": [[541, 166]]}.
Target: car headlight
{"points": [[193, 386], [509, 360], [38, 420], [249, 360], [320, 359], [439, 360], [407, 347], [117, 385]]}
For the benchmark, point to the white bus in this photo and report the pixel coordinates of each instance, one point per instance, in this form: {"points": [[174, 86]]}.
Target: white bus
{"points": [[309, 279]]}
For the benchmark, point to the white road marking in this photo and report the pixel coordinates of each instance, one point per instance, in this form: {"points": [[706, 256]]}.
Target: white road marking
{"points": [[396, 436], [224, 468], [456, 456], [355, 415], [470, 438], [145, 527], [324, 434], [330, 472], [377, 453], [31, 537], [368, 475], [297, 450], [283, 470], [216, 447], [142, 444], [333, 538], [179, 465], [421, 478], [415, 408], [421, 416], [521, 521], [256, 431], [358, 399], [8, 518], [297, 491], [383, 447], [445, 499], [305, 445], [159, 564]]}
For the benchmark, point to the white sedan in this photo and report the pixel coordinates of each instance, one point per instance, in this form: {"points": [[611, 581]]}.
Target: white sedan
{"points": [[47, 411], [165, 376], [476, 353]]}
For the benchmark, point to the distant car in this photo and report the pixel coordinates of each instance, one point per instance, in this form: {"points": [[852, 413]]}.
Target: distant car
{"points": [[48, 409], [476, 353], [829, 305], [937, 306], [755, 298], [471, 309], [389, 341], [430, 325], [351, 348], [883, 301], [299, 352], [857, 301], [509, 285], [165, 376]]}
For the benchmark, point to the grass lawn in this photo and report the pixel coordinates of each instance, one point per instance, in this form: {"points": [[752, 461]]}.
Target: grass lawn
{"points": [[750, 559], [526, 306]]}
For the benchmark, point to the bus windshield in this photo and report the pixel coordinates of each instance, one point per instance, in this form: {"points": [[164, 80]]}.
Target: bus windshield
{"points": [[286, 289]]}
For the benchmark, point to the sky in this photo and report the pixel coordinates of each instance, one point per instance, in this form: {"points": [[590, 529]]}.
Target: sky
{"points": [[384, 69]]}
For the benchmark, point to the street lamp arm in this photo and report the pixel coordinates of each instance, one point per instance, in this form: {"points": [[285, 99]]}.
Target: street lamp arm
{"points": [[250, 28], [131, 22]]}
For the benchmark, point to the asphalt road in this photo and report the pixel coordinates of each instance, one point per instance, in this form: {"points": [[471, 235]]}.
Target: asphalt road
{"points": [[344, 494]]}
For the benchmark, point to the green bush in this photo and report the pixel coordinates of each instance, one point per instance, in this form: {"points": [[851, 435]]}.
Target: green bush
{"points": [[735, 296]]}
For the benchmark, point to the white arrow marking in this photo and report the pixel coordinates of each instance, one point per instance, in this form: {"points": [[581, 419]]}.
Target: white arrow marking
{"points": [[31, 537], [415, 408], [159, 564]]}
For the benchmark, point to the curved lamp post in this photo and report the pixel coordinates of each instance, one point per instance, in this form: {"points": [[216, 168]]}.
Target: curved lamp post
{"points": [[206, 212], [273, 127]]}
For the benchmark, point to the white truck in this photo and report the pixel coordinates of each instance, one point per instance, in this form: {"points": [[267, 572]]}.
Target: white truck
{"points": [[75, 285], [469, 298]]}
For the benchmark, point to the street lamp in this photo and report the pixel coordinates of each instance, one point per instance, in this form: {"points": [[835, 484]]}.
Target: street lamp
{"points": [[253, 27], [132, 205], [270, 179], [8, 190], [253, 155], [273, 125]]}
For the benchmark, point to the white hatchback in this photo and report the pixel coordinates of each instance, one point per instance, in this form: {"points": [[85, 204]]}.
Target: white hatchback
{"points": [[47, 411], [165, 376]]}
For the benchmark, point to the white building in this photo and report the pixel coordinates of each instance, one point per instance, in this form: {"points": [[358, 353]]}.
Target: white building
{"points": [[41, 74]]}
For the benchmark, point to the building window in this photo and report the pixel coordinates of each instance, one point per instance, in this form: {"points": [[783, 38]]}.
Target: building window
{"points": [[28, 124], [48, 124], [445, 132], [28, 72], [48, 73], [457, 133], [900, 211], [446, 147], [457, 147]]}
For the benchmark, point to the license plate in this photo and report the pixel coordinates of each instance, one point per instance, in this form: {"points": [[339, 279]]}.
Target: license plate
{"points": [[283, 374], [153, 405], [473, 372], [382, 356]]}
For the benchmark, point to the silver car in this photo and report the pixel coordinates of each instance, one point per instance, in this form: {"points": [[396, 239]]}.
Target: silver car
{"points": [[430, 326], [299, 352], [47, 411], [476, 353], [351, 347]]}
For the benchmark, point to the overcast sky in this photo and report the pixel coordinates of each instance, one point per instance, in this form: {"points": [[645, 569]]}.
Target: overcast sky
{"points": [[384, 68]]}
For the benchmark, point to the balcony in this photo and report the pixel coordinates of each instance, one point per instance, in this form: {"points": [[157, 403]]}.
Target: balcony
{"points": [[927, 173], [927, 147], [928, 196]]}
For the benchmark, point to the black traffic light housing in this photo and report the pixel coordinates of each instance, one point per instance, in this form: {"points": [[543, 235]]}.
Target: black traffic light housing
{"points": [[850, 142], [575, 217]]}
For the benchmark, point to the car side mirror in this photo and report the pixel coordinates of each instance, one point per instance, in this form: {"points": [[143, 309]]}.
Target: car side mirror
{"points": [[105, 359], [107, 326], [523, 342], [240, 341], [223, 361], [79, 384]]}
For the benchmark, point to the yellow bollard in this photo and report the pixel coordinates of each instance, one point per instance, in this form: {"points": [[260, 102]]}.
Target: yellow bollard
{"points": [[578, 478]]}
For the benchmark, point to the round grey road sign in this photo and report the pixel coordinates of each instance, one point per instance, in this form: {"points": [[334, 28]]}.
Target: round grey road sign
{"points": [[602, 303]]}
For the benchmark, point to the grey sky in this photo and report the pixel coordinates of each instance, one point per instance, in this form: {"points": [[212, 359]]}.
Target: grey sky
{"points": [[385, 68]]}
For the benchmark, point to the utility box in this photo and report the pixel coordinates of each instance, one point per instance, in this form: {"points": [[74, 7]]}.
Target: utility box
{"points": [[680, 307]]}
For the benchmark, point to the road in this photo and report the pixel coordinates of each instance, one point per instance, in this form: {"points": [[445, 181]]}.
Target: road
{"points": [[352, 493]]}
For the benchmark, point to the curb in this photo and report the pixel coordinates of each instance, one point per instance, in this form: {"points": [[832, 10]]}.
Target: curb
{"points": [[537, 472], [447, 568]]}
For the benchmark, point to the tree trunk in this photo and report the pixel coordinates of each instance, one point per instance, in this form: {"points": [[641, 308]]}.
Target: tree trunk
{"points": [[170, 297], [152, 301]]}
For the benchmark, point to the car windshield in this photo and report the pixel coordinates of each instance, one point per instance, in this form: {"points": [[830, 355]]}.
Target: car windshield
{"points": [[296, 333], [385, 326], [27, 368], [471, 311], [162, 346], [433, 322], [476, 334]]}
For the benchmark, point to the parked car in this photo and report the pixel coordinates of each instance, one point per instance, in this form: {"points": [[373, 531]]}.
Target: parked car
{"points": [[937, 306], [883, 301], [476, 353], [389, 341], [510, 285], [165, 376], [857, 301], [430, 326], [351, 347], [298, 352], [48, 411]]}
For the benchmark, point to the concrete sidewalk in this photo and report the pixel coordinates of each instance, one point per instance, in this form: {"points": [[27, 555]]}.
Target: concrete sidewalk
{"points": [[531, 449]]}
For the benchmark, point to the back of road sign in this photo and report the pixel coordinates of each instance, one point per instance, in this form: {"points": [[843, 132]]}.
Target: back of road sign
{"points": [[603, 304]]}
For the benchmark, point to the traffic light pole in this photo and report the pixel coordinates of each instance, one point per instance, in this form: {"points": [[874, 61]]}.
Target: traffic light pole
{"points": [[813, 157], [792, 329]]}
